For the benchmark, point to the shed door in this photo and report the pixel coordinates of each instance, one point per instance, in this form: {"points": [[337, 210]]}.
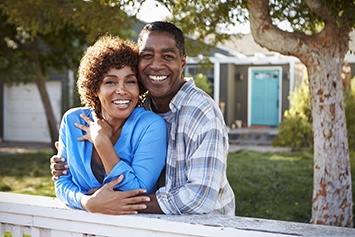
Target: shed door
{"points": [[265, 97]]}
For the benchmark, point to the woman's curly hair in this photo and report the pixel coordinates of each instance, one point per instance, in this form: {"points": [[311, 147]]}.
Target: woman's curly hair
{"points": [[108, 52]]}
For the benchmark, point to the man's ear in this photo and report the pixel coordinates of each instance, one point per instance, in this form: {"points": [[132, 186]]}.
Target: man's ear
{"points": [[183, 61]]}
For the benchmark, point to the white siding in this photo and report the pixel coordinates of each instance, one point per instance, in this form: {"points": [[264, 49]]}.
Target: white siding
{"points": [[24, 116]]}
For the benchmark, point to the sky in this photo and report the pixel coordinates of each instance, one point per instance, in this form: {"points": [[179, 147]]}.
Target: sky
{"points": [[154, 11]]}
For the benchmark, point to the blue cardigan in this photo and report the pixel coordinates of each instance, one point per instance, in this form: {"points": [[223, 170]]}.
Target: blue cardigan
{"points": [[141, 147]]}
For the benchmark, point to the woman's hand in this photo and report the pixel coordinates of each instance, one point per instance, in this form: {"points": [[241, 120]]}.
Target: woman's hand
{"points": [[95, 130], [107, 201]]}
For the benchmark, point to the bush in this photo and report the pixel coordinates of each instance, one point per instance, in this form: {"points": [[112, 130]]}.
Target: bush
{"points": [[349, 100], [203, 83], [295, 130]]}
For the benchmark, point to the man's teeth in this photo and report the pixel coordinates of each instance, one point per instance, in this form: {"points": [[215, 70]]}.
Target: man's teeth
{"points": [[157, 78], [120, 102]]}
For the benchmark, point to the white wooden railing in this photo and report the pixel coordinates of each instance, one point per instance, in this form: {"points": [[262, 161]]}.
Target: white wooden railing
{"points": [[40, 216]]}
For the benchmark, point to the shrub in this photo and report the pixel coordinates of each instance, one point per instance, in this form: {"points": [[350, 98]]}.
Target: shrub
{"points": [[203, 83], [349, 100], [295, 130]]}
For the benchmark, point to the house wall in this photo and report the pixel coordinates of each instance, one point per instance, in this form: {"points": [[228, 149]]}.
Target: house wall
{"points": [[285, 92], [227, 85], [234, 90], [24, 115]]}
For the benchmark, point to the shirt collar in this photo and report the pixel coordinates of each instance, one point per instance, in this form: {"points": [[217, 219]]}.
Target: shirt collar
{"points": [[177, 101]]}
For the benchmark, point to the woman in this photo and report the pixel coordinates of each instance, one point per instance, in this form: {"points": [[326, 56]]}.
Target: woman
{"points": [[115, 135]]}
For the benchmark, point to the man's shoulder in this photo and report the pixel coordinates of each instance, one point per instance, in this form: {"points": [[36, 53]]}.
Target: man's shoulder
{"points": [[196, 97], [190, 93]]}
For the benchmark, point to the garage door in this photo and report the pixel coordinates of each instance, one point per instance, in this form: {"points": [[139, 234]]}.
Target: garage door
{"points": [[24, 116]]}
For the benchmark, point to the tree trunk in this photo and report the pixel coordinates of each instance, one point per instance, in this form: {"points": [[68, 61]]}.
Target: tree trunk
{"points": [[51, 120], [332, 190], [41, 86], [323, 55]]}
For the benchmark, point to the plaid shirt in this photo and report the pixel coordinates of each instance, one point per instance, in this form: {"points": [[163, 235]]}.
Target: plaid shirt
{"points": [[196, 180]]}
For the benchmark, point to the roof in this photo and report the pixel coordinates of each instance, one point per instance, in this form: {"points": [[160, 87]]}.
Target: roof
{"points": [[244, 44]]}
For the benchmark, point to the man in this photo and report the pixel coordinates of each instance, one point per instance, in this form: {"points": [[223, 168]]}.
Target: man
{"points": [[195, 181]]}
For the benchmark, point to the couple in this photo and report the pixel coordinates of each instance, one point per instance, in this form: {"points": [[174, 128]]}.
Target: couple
{"points": [[195, 177]]}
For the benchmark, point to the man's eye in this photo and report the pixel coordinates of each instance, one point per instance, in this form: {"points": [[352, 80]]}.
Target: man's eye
{"points": [[169, 56], [146, 56]]}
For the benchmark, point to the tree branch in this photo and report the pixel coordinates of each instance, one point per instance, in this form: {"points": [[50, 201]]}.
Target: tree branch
{"points": [[268, 35], [319, 9]]}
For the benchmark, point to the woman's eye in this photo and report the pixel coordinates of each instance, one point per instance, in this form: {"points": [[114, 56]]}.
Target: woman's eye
{"points": [[132, 80], [109, 82]]}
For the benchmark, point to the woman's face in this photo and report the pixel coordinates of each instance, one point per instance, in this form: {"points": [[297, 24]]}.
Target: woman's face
{"points": [[118, 94]]}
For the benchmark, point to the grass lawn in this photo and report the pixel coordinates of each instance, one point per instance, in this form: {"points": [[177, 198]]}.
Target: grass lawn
{"points": [[266, 185], [26, 173], [275, 186], [272, 185]]}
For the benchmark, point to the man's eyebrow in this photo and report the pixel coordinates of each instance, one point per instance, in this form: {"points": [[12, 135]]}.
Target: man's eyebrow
{"points": [[164, 50], [147, 49], [171, 50]]}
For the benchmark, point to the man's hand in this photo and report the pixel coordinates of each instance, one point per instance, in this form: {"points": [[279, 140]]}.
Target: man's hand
{"points": [[107, 201], [58, 167]]}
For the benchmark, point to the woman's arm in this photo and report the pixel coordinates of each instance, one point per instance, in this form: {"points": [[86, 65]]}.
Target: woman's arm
{"points": [[149, 147], [99, 132], [66, 190], [148, 150]]}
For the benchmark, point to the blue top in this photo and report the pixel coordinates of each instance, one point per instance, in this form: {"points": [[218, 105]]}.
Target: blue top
{"points": [[142, 148]]}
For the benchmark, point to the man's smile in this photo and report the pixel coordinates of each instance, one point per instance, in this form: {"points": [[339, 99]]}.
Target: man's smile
{"points": [[157, 78]]}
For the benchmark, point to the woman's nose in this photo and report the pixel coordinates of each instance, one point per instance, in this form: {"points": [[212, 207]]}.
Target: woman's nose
{"points": [[120, 89]]}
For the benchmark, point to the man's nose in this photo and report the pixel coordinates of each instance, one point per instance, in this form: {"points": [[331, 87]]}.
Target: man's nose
{"points": [[157, 63]]}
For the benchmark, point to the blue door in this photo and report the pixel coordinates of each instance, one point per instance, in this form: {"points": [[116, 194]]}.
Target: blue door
{"points": [[265, 97]]}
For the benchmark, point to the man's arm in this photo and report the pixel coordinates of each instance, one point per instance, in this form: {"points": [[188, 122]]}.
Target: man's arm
{"points": [[152, 206]]}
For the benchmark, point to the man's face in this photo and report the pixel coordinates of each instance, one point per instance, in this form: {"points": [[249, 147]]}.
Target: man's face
{"points": [[161, 65]]}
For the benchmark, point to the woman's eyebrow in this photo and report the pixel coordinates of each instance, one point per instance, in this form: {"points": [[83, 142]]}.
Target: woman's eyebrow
{"points": [[109, 75]]}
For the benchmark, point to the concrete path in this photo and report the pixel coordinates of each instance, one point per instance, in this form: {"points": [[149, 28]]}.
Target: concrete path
{"points": [[258, 148], [25, 147]]}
